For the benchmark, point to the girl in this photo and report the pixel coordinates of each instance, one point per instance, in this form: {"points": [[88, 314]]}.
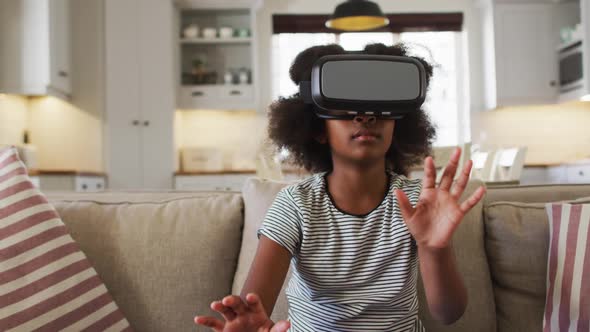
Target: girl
{"points": [[357, 230]]}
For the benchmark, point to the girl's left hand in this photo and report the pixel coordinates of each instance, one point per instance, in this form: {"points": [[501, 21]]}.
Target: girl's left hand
{"points": [[438, 211]]}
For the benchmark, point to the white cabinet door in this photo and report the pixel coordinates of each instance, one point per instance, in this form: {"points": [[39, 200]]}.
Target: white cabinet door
{"points": [[578, 173], [227, 182], [122, 130], [139, 94], [525, 56], [59, 46], [157, 92], [557, 174]]}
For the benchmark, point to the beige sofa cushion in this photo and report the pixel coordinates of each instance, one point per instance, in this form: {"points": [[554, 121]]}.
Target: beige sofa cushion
{"points": [[164, 257], [468, 245], [517, 242], [537, 193], [258, 196]]}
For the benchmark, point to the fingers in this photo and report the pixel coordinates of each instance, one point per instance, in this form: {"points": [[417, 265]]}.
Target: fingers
{"points": [[429, 173], [254, 304], [227, 313], [281, 326], [450, 170], [235, 303], [473, 199], [459, 187], [404, 204], [211, 322]]}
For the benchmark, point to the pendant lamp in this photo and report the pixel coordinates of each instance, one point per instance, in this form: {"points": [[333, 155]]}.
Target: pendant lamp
{"points": [[357, 15]]}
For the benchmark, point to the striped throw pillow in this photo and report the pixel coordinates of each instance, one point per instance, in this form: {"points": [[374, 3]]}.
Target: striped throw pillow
{"points": [[46, 282], [567, 305]]}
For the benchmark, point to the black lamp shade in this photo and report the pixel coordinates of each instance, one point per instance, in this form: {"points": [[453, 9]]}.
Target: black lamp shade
{"points": [[357, 15]]}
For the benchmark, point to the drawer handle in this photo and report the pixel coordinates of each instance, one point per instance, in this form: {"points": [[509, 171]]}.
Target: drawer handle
{"points": [[198, 93], [581, 173], [235, 92], [84, 186], [62, 73]]}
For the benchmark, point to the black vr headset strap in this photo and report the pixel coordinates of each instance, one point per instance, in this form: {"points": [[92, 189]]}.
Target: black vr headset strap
{"points": [[305, 91]]}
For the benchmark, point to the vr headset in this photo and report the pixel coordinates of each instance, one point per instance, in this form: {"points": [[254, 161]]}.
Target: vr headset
{"points": [[344, 86]]}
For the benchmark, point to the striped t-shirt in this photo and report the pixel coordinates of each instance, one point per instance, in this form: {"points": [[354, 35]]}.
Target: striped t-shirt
{"points": [[350, 273]]}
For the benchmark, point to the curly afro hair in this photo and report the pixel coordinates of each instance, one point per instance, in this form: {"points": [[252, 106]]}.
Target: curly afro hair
{"points": [[294, 125]]}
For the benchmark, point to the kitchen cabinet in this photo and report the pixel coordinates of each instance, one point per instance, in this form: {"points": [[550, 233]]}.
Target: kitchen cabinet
{"points": [[139, 102], [519, 50], [570, 173], [35, 47], [216, 69], [223, 181], [60, 41], [68, 181], [219, 182]]}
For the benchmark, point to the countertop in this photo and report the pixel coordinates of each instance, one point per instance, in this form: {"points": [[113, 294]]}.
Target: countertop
{"points": [[64, 172], [233, 171]]}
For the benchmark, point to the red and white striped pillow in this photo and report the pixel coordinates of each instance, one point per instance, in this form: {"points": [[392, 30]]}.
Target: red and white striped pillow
{"points": [[567, 305], [46, 282]]}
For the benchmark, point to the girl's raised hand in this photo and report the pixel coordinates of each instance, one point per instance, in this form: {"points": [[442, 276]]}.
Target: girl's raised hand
{"points": [[240, 316], [438, 211]]}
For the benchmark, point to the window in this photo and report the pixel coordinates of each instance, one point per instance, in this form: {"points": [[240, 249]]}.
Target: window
{"points": [[446, 100]]}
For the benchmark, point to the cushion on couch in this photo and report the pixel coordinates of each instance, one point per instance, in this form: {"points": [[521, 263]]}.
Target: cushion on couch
{"points": [[567, 305], [468, 244], [517, 243], [46, 282], [165, 256], [258, 196], [469, 248]]}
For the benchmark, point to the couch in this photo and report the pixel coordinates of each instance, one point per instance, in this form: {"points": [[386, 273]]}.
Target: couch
{"points": [[165, 256]]}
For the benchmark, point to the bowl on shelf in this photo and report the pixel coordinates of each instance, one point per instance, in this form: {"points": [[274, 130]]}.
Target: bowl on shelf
{"points": [[191, 31], [243, 33], [209, 33], [226, 32]]}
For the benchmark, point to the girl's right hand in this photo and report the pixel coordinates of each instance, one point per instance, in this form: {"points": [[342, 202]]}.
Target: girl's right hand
{"points": [[241, 316]]}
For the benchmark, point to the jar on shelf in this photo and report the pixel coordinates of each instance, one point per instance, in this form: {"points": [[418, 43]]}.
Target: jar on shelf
{"points": [[244, 76], [228, 77], [191, 31]]}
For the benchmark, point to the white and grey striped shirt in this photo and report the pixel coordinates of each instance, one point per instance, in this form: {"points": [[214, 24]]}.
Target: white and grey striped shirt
{"points": [[350, 272]]}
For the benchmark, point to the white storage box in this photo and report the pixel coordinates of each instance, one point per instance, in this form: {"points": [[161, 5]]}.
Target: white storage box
{"points": [[194, 159]]}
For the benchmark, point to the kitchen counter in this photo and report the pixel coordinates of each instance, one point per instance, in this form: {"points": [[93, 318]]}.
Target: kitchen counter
{"points": [[233, 171], [221, 172], [37, 172], [68, 180]]}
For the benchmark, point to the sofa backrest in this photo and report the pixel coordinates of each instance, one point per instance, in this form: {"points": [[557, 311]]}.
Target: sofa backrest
{"points": [[163, 256], [468, 245], [517, 243]]}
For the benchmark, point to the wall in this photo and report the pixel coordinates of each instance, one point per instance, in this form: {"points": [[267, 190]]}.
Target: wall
{"points": [[66, 136], [553, 133], [14, 115]]}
